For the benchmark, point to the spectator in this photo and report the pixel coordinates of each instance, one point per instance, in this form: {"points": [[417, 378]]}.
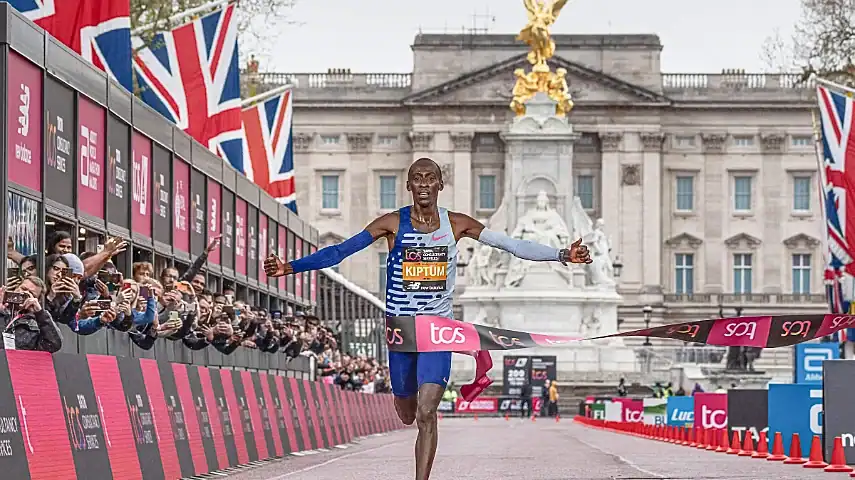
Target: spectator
{"points": [[621, 388], [553, 398], [28, 326], [544, 399]]}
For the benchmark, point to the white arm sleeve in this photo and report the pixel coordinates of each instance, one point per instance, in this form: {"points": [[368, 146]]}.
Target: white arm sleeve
{"points": [[525, 249]]}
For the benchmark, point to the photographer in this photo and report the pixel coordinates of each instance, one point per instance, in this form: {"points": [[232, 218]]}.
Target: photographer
{"points": [[63, 297], [27, 325]]}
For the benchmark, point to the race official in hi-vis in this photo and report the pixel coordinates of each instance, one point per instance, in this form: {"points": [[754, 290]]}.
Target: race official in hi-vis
{"points": [[420, 273]]}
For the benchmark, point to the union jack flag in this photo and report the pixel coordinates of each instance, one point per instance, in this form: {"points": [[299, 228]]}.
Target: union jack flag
{"points": [[837, 136], [98, 30], [191, 76], [270, 147]]}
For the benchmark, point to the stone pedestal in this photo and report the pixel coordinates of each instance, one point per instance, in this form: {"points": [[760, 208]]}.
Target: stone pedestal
{"points": [[550, 298]]}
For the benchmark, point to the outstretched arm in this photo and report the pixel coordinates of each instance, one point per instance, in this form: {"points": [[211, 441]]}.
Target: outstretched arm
{"points": [[334, 254], [466, 226]]}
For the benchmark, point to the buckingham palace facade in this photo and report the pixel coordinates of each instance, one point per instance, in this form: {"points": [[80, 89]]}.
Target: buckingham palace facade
{"points": [[707, 182]]}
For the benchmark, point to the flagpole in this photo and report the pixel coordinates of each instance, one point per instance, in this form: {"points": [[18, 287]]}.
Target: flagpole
{"points": [[264, 96], [182, 15]]}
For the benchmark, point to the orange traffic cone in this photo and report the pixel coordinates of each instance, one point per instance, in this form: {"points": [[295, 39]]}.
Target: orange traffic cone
{"points": [[777, 449], [734, 444], [795, 457], [692, 435], [533, 418], [684, 440], [557, 418], [476, 417], [722, 441], [439, 416], [747, 445], [712, 441], [762, 447], [815, 460], [838, 458], [703, 438], [507, 417]]}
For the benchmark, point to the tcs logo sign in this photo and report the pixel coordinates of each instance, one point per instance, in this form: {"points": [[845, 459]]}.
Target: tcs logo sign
{"points": [[713, 418], [506, 342], [740, 329], [690, 330], [393, 336], [796, 329], [633, 415], [446, 335], [846, 321]]}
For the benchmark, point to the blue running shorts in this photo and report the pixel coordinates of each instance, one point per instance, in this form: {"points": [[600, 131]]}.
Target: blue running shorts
{"points": [[408, 371]]}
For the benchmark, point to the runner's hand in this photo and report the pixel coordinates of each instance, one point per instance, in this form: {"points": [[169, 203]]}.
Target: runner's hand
{"points": [[577, 253], [274, 267]]}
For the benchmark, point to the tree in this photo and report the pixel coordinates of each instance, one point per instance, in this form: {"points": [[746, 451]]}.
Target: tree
{"points": [[822, 43], [255, 17]]}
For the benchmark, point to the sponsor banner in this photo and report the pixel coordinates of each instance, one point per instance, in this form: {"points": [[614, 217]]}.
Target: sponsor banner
{"points": [[250, 416], [60, 142], [181, 207], [162, 194], [196, 421], [515, 374], [287, 414], [227, 244], [446, 406], [138, 404], [273, 238], [13, 447], [259, 394], [280, 252], [141, 184], [91, 169], [796, 408], [221, 420], [82, 417], [809, 359], [632, 410], [598, 411], [711, 410], [439, 334], [543, 368], [298, 278], [240, 236], [320, 408], [680, 411], [515, 405], [198, 209], [837, 418], [264, 247], [613, 411], [236, 413], [252, 242], [299, 411], [655, 410], [479, 405], [747, 411], [24, 114], [215, 216], [118, 172], [163, 420]]}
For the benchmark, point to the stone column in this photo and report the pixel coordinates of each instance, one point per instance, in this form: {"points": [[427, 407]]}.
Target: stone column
{"points": [[651, 227], [715, 208], [610, 184], [460, 172], [356, 182], [422, 143], [632, 213], [773, 206]]}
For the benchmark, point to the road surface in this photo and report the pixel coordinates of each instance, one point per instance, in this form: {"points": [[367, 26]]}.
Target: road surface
{"points": [[496, 449]]}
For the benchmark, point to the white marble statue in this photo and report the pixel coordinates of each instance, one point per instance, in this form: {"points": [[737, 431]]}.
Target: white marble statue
{"points": [[540, 224], [591, 322], [600, 271], [486, 261]]}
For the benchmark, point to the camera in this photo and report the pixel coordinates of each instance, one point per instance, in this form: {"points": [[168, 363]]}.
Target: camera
{"points": [[14, 298]]}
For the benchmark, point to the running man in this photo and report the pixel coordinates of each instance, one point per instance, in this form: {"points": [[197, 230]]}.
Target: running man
{"points": [[420, 276]]}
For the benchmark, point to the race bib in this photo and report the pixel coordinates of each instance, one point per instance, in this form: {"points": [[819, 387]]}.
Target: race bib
{"points": [[9, 340], [425, 269]]}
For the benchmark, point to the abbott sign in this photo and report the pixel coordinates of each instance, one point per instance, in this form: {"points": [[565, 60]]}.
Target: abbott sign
{"points": [[796, 408], [809, 359]]}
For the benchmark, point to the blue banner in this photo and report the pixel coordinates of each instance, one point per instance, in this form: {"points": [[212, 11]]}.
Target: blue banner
{"points": [[796, 408], [681, 411], [809, 358]]}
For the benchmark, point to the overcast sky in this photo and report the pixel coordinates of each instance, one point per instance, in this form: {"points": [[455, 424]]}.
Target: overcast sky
{"points": [[375, 35]]}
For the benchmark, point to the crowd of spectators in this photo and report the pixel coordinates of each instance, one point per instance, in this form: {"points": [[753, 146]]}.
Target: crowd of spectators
{"points": [[88, 293]]}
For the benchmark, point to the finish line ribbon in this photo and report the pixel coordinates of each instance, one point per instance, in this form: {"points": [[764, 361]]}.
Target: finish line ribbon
{"points": [[425, 333]]}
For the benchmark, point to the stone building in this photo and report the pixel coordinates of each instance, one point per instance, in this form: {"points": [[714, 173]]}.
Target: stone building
{"points": [[707, 182]]}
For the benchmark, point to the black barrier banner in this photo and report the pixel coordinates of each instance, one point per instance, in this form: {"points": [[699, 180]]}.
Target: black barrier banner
{"points": [[324, 412], [299, 411], [285, 414], [543, 368], [245, 415], [748, 411], [82, 417], [515, 374], [268, 421], [118, 166], [177, 419], [196, 419], [838, 390], [60, 142], [142, 423], [13, 456], [160, 418], [335, 410], [162, 197], [227, 427], [425, 333], [319, 425], [198, 206]]}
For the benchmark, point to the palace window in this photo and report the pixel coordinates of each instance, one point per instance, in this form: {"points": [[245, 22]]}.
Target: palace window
{"points": [[801, 273], [742, 193], [388, 192], [742, 265], [685, 193], [684, 268], [329, 192], [487, 192], [585, 191], [801, 193]]}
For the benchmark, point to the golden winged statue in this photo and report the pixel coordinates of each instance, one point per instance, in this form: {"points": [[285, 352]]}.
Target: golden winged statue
{"points": [[541, 16]]}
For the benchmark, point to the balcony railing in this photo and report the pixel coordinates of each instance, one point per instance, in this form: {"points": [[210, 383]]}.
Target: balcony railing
{"points": [[733, 81], [670, 81], [736, 298]]}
